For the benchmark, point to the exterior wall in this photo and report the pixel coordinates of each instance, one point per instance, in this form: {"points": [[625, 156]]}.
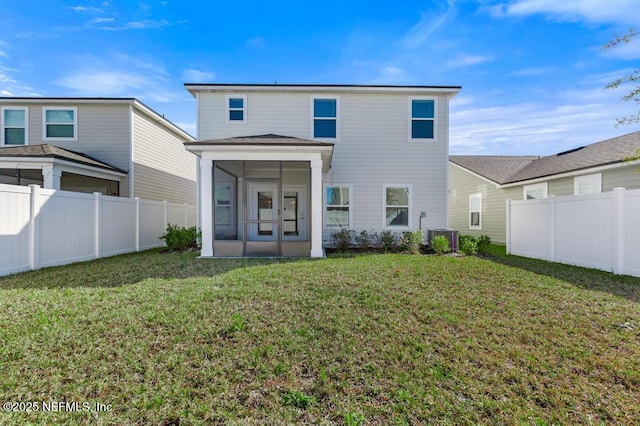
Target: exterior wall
{"points": [[461, 185], [103, 133], [373, 148], [162, 168]]}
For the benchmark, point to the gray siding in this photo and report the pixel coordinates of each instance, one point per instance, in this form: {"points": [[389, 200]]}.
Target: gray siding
{"points": [[562, 186], [625, 177], [103, 133], [494, 206], [463, 183], [163, 169], [373, 147]]}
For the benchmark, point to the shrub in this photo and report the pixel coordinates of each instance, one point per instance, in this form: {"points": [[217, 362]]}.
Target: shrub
{"points": [[388, 241], [365, 239], [484, 242], [440, 244], [178, 238], [342, 239], [468, 245], [412, 241]]}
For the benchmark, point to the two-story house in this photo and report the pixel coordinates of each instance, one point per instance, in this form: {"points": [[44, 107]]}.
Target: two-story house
{"points": [[116, 146], [284, 166]]}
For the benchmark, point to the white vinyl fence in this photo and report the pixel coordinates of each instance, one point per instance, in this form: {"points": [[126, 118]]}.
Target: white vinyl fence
{"points": [[43, 227], [600, 231]]}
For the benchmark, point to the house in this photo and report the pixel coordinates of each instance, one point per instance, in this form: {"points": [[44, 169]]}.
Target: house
{"points": [[479, 186], [284, 166], [116, 146]]}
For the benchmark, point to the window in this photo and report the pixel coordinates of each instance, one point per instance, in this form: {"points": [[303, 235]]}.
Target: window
{"points": [[15, 126], [236, 109], [587, 184], [536, 191], [338, 211], [422, 120], [325, 118], [60, 123], [475, 211], [397, 205], [223, 204]]}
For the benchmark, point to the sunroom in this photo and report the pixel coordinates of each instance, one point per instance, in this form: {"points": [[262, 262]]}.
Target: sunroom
{"points": [[261, 195]]}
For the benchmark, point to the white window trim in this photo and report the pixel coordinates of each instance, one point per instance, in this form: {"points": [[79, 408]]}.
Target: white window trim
{"points": [[543, 185], [595, 177], [384, 206], [477, 196], [435, 118], [325, 204], [44, 123], [227, 109], [313, 118], [26, 124]]}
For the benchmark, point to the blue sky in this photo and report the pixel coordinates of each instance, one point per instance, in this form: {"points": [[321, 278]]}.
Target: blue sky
{"points": [[532, 71]]}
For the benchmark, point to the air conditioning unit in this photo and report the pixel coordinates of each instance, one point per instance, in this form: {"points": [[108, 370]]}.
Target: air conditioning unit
{"points": [[452, 236]]}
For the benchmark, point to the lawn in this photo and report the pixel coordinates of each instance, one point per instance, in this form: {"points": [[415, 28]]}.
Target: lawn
{"points": [[378, 339]]}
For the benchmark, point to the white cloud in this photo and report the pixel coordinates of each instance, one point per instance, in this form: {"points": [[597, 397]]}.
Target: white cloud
{"points": [[429, 22], [534, 71], [90, 9], [591, 11], [118, 75], [197, 76], [575, 117], [462, 61], [255, 42], [3, 54]]}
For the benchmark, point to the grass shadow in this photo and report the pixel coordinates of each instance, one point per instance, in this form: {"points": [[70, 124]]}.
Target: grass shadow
{"points": [[590, 279], [128, 269]]}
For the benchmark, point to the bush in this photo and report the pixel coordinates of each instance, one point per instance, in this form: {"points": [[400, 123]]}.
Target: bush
{"points": [[440, 244], [179, 239], [412, 241], [388, 241], [468, 245], [365, 239], [484, 242], [342, 239]]}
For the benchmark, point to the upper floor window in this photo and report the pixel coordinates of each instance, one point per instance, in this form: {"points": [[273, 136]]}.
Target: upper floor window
{"points": [[236, 109], [15, 126], [535, 191], [397, 206], [422, 120], [338, 211], [60, 123], [587, 184], [325, 118]]}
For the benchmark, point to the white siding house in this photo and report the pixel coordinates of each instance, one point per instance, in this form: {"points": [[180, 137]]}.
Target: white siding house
{"points": [[284, 166], [116, 146]]}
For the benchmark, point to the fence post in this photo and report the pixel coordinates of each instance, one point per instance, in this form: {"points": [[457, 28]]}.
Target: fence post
{"points": [[618, 230], [508, 230], [96, 206], [137, 223], [552, 228], [34, 210]]}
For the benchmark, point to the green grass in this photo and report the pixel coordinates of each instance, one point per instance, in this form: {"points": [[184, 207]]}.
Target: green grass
{"points": [[384, 339]]}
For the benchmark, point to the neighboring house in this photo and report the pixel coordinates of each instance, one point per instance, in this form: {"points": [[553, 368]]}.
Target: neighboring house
{"points": [[284, 166], [479, 186], [115, 146]]}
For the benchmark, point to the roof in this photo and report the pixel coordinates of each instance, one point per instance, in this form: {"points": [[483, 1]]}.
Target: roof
{"points": [[52, 151], [160, 118], [266, 140], [194, 88], [512, 169]]}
